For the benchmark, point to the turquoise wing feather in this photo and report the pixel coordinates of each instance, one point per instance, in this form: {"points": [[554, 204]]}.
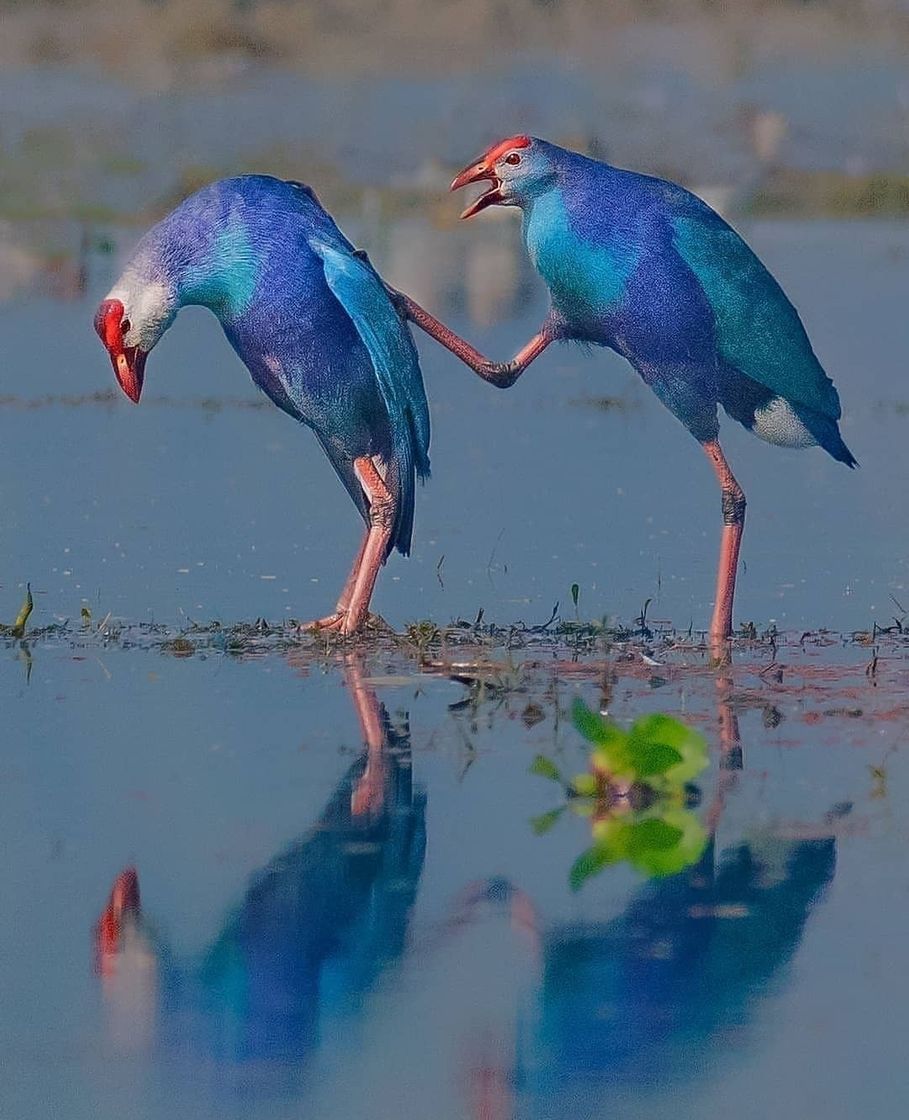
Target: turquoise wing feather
{"points": [[362, 294], [759, 332]]}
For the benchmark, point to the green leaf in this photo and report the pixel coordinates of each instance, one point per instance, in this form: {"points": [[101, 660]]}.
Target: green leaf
{"points": [[543, 823], [591, 725], [653, 834], [613, 833], [596, 729], [584, 785], [661, 745], [666, 844], [650, 759], [545, 768], [590, 863]]}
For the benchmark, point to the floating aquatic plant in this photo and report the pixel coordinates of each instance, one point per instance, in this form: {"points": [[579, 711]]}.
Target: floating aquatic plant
{"points": [[634, 794], [657, 750]]}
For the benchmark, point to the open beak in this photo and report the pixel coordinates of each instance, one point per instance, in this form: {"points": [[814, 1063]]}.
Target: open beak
{"points": [[128, 361], [475, 173]]}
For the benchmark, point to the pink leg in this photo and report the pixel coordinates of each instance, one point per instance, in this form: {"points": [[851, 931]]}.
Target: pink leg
{"points": [[733, 526], [381, 521], [333, 621], [366, 704], [501, 374], [353, 605], [344, 599], [731, 757]]}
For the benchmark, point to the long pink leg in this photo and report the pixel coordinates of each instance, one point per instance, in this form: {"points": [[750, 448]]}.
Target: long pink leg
{"points": [[733, 526], [333, 621], [347, 592], [381, 520], [501, 374]]}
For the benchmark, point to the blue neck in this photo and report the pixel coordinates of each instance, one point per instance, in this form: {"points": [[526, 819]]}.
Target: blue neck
{"points": [[224, 275], [204, 253]]}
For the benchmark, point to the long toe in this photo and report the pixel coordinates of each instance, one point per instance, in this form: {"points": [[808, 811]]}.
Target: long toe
{"points": [[352, 623], [329, 622], [374, 623]]}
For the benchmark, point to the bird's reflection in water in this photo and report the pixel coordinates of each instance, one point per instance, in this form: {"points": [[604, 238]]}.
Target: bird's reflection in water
{"points": [[315, 929], [650, 996], [646, 1000]]}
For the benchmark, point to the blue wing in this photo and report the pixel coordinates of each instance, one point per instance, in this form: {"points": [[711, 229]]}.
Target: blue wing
{"points": [[362, 294], [758, 330]]}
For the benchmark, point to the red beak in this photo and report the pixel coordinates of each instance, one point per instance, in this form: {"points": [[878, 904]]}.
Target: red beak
{"points": [[477, 172], [128, 361]]}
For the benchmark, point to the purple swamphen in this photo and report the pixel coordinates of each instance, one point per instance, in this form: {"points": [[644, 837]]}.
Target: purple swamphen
{"points": [[645, 267], [315, 327]]}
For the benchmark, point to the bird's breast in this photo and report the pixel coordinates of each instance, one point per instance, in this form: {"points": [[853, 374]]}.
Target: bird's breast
{"points": [[586, 280], [314, 366]]}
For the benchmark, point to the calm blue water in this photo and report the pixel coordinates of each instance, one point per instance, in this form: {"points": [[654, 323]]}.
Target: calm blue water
{"points": [[332, 928], [345, 910]]}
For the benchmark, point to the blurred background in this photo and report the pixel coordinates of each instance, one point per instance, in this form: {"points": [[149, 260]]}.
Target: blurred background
{"points": [[791, 117], [768, 106]]}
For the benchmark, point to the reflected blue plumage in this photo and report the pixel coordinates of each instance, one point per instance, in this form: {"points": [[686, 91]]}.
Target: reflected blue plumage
{"points": [[311, 936], [642, 999]]}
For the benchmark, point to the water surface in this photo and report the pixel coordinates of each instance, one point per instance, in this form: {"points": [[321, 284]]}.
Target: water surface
{"points": [[345, 909]]}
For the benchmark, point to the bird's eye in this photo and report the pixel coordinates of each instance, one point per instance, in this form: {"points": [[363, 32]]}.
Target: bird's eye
{"points": [[125, 326], [513, 158]]}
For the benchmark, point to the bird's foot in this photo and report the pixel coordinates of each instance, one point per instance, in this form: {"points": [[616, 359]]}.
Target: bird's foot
{"points": [[331, 622], [344, 623]]}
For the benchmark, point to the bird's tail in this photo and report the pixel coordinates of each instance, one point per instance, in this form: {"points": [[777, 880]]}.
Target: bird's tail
{"points": [[410, 463], [406, 488], [827, 434], [396, 364]]}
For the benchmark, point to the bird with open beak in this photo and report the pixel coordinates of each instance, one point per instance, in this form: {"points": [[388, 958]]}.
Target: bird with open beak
{"points": [[646, 268], [493, 167]]}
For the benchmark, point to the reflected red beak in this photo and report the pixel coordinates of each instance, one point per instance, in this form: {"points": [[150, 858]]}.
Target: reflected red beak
{"points": [[477, 172], [128, 361], [122, 906]]}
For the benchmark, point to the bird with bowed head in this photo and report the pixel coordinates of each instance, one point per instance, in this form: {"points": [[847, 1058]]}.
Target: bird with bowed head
{"points": [[314, 325], [642, 266]]}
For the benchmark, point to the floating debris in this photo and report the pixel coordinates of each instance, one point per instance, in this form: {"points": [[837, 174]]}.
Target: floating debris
{"points": [[17, 630]]}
